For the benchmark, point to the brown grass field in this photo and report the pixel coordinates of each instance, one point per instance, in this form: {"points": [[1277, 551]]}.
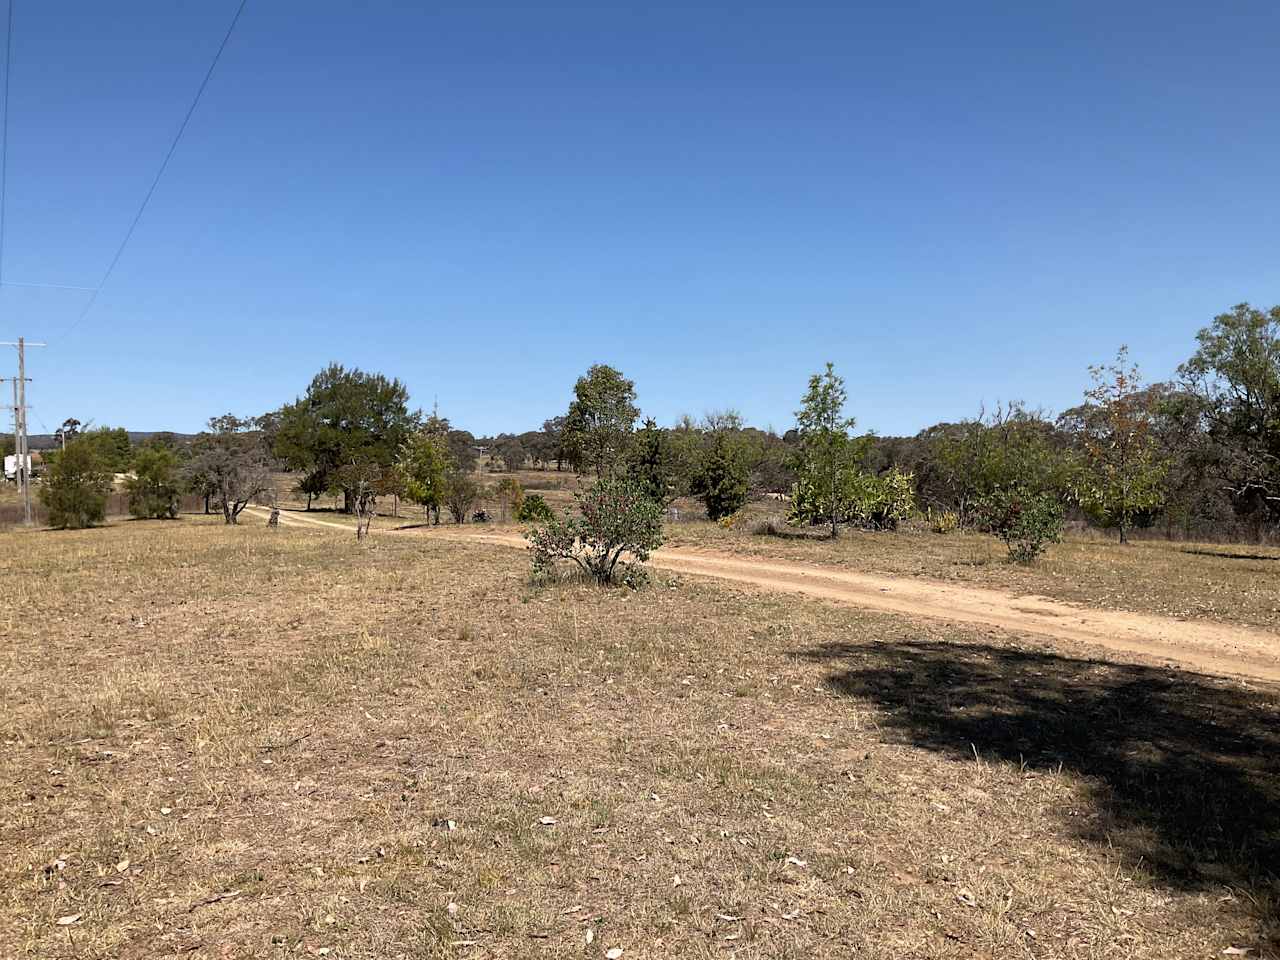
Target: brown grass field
{"points": [[233, 742]]}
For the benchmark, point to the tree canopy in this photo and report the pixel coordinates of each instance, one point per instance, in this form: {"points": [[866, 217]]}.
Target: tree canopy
{"points": [[346, 417], [598, 426], [1234, 376]]}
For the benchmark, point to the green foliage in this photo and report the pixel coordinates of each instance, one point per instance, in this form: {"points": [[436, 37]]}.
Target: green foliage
{"points": [[1011, 447], [166, 440], [654, 466], [111, 445], [534, 509], [615, 517], [7, 447], [1124, 482], [598, 427], [827, 454], [69, 430], [346, 416], [461, 491], [76, 485], [553, 444], [1110, 499], [154, 491], [313, 485], [944, 521], [862, 499], [424, 465], [721, 481], [1235, 378], [1026, 520]]}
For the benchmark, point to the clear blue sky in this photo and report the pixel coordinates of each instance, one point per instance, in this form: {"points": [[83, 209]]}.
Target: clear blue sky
{"points": [[953, 202]]}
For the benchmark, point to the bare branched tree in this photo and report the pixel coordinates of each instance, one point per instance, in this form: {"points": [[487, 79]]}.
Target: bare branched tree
{"points": [[365, 480], [231, 466]]}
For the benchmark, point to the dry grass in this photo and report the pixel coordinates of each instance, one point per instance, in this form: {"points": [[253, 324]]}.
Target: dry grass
{"points": [[1232, 583], [226, 742]]}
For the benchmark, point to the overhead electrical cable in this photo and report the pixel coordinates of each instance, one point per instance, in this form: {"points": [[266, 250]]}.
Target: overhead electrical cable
{"points": [[4, 137], [159, 173]]}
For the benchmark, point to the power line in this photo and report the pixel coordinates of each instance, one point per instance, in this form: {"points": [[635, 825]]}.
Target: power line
{"points": [[4, 138], [159, 173], [43, 286]]}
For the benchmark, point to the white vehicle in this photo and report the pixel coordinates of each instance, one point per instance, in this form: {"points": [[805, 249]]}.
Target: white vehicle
{"points": [[11, 466]]}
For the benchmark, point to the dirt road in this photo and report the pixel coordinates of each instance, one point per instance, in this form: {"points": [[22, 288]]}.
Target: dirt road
{"points": [[1196, 645]]}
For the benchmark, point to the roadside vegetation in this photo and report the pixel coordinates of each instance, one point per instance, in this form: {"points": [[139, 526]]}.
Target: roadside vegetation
{"points": [[1195, 458]]}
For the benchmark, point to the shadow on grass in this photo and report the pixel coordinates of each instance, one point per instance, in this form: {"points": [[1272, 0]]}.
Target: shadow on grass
{"points": [[1184, 769], [1225, 555]]}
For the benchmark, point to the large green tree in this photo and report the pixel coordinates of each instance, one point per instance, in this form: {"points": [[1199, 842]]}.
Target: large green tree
{"points": [[345, 417], [598, 427], [1235, 377]]}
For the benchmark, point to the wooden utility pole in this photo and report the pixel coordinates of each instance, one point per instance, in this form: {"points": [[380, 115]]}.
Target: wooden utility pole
{"points": [[21, 445]]}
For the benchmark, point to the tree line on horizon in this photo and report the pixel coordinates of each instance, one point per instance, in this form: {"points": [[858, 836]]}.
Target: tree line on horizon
{"points": [[1199, 453]]}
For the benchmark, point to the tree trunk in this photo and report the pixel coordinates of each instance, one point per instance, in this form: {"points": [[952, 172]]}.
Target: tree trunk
{"points": [[1123, 538], [348, 502], [308, 503]]}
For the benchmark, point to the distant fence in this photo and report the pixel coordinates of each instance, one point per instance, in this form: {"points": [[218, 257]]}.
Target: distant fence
{"points": [[117, 506]]}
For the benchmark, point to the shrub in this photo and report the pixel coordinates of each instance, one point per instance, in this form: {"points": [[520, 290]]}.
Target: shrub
{"points": [[616, 518], [153, 488], [862, 499], [721, 482], [1027, 522], [534, 509], [461, 493], [944, 521], [730, 521], [76, 486]]}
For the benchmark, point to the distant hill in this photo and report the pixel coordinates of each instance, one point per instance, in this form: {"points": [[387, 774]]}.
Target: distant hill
{"points": [[48, 441]]}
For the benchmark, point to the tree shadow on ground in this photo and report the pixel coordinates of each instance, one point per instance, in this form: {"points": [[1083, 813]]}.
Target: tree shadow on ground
{"points": [[1227, 555], [1184, 769]]}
